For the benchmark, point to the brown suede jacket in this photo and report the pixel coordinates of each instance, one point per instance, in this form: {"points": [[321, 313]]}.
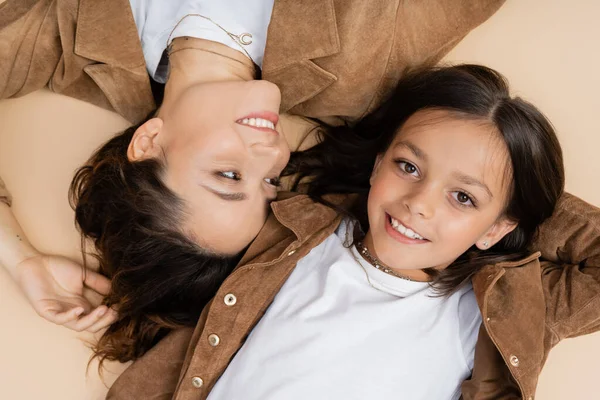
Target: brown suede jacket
{"points": [[332, 60], [527, 306]]}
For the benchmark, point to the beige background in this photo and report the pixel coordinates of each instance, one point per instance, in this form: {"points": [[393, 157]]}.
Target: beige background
{"points": [[547, 48]]}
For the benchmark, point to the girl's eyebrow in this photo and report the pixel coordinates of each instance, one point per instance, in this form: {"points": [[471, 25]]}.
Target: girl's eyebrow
{"points": [[469, 180], [420, 154]]}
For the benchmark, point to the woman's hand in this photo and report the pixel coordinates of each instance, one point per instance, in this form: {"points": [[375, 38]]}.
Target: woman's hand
{"points": [[62, 292]]}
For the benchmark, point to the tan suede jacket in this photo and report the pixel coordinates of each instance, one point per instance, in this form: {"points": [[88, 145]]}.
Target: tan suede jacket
{"points": [[527, 306], [333, 60]]}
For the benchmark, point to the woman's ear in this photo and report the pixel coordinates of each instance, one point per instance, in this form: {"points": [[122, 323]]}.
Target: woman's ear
{"points": [[144, 144], [376, 168], [502, 227]]}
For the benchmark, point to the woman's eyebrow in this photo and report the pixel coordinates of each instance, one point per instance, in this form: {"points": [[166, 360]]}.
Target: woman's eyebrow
{"points": [[420, 154], [235, 196]]}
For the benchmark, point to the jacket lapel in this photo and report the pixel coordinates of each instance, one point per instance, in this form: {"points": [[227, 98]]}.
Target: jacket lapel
{"points": [[299, 32], [106, 33]]}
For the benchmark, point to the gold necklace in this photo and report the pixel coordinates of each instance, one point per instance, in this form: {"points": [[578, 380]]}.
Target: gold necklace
{"points": [[242, 40], [364, 252]]}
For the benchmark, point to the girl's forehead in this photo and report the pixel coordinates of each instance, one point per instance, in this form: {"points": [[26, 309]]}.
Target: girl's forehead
{"points": [[446, 121]]}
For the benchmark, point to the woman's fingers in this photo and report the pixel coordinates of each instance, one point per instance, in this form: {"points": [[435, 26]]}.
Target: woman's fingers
{"points": [[108, 319], [83, 323], [62, 317], [97, 282]]}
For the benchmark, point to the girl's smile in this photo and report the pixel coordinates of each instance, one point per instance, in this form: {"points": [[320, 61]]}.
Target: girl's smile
{"points": [[403, 233]]}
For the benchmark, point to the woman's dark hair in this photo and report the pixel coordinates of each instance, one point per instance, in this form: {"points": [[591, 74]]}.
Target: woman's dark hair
{"points": [[161, 279], [343, 160]]}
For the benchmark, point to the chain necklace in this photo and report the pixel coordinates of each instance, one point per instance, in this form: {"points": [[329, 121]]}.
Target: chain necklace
{"points": [[242, 40], [364, 252]]}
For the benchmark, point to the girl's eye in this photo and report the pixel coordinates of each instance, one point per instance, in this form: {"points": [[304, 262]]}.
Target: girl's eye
{"points": [[231, 175], [463, 199], [408, 168], [273, 181]]}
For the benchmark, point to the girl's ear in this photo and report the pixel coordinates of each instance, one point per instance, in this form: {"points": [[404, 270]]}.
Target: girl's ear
{"points": [[502, 227], [144, 144], [376, 168]]}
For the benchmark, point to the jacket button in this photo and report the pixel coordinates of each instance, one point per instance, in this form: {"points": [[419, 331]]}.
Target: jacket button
{"points": [[291, 252], [514, 360], [197, 382], [214, 340], [230, 299]]}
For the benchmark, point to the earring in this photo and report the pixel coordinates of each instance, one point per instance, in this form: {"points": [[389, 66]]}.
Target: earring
{"points": [[485, 244]]}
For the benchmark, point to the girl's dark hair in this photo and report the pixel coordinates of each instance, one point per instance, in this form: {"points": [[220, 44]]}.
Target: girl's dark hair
{"points": [[343, 160], [161, 279]]}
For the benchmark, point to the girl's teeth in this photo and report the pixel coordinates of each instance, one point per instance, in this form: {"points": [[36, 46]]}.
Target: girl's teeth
{"points": [[404, 230]]}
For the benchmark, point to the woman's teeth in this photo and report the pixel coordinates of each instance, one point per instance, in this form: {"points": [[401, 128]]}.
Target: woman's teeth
{"points": [[258, 122], [409, 233]]}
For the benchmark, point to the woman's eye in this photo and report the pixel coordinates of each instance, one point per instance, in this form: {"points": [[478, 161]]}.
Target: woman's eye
{"points": [[408, 168], [273, 181], [231, 175], [463, 199]]}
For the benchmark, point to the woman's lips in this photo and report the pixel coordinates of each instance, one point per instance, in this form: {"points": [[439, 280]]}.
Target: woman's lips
{"points": [[263, 121]]}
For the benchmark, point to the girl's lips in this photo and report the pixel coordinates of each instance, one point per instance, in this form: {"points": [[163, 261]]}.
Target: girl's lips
{"points": [[400, 237]]}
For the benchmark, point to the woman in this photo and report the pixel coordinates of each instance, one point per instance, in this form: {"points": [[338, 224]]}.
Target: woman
{"points": [[451, 195], [318, 54]]}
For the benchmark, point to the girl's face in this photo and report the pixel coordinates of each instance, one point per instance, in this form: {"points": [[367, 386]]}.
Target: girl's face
{"points": [[440, 188]]}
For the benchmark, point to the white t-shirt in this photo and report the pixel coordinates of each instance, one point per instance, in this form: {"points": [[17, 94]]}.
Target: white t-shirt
{"points": [[155, 20], [330, 335]]}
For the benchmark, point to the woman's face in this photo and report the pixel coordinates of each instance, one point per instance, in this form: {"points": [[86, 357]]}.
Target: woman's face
{"points": [[223, 158], [440, 188]]}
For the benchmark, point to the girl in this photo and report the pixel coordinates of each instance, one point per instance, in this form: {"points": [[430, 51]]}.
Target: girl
{"points": [[442, 296]]}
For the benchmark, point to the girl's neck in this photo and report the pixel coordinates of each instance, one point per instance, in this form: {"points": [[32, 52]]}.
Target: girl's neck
{"points": [[193, 61], [414, 274]]}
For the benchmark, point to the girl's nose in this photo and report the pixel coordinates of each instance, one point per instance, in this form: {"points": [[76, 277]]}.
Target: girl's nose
{"points": [[421, 202]]}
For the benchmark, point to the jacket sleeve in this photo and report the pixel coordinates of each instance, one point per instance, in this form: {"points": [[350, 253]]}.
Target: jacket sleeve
{"points": [[570, 245], [30, 44], [427, 30], [155, 375]]}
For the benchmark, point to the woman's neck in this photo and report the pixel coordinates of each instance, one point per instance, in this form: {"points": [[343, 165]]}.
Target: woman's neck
{"points": [[194, 61]]}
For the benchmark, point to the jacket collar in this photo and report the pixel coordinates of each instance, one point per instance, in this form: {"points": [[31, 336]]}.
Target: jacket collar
{"points": [[106, 32], [292, 43], [299, 32], [291, 39], [293, 220]]}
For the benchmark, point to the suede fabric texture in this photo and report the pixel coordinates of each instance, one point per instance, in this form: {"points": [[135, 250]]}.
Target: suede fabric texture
{"points": [[332, 60], [527, 306]]}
